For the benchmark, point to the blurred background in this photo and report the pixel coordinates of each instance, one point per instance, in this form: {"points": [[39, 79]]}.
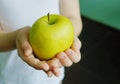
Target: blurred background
{"points": [[100, 39]]}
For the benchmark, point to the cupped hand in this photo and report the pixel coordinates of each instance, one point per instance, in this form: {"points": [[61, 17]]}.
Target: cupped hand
{"points": [[25, 50], [26, 53], [66, 58], [71, 55]]}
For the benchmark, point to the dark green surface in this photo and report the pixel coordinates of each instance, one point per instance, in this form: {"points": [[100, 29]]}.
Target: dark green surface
{"points": [[104, 11]]}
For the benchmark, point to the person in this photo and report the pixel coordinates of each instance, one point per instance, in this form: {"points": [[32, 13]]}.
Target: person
{"points": [[18, 64]]}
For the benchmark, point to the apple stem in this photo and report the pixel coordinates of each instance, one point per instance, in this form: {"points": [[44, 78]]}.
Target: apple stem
{"points": [[48, 17]]}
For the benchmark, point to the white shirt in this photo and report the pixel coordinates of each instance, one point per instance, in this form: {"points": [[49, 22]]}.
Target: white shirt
{"points": [[17, 14]]}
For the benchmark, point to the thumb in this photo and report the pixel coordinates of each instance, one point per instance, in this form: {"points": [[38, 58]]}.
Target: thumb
{"points": [[22, 42], [76, 44]]}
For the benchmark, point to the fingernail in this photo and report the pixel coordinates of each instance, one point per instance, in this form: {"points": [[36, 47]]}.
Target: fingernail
{"points": [[50, 74], [63, 57], [70, 52], [45, 67]]}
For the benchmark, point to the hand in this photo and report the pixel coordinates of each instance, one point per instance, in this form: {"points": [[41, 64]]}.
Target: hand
{"points": [[26, 53], [52, 66], [25, 50], [66, 58], [71, 55]]}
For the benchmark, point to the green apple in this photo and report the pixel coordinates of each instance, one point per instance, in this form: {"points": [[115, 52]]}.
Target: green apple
{"points": [[50, 35]]}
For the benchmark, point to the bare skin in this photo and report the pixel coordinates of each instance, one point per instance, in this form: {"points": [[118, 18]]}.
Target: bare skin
{"points": [[18, 39]]}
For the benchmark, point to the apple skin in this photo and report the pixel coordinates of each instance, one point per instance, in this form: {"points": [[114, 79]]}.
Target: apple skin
{"points": [[49, 38]]}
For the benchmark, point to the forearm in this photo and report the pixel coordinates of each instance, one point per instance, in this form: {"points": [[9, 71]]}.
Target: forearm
{"points": [[70, 9], [8, 40]]}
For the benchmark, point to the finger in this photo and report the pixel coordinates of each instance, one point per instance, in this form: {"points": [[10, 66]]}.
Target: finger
{"points": [[36, 63], [23, 44], [54, 63], [76, 45], [74, 57], [56, 71], [33, 62], [65, 61], [49, 73]]}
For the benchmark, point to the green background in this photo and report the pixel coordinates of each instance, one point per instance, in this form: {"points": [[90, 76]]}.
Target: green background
{"points": [[104, 11]]}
